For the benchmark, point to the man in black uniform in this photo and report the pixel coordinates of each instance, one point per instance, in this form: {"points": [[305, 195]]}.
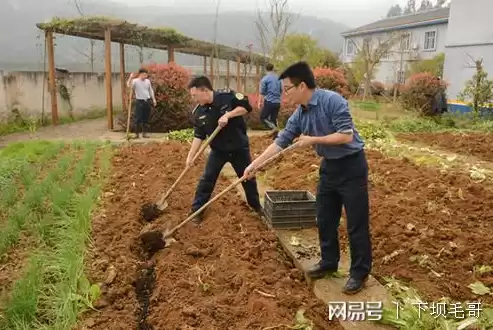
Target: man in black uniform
{"points": [[224, 108]]}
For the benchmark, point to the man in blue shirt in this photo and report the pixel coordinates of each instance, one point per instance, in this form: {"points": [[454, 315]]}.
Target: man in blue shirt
{"points": [[323, 121], [270, 99]]}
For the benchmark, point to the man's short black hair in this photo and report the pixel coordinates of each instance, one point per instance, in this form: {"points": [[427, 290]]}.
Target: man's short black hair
{"points": [[143, 70], [200, 82], [298, 73], [269, 67]]}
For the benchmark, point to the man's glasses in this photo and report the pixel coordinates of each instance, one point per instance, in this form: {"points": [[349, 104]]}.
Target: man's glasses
{"points": [[288, 88]]}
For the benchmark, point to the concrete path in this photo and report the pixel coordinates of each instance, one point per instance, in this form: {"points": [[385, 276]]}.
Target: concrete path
{"points": [[306, 252], [91, 130]]}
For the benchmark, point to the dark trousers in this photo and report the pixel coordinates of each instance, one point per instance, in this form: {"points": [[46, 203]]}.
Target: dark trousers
{"points": [[239, 159], [344, 182], [269, 113], [142, 113]]}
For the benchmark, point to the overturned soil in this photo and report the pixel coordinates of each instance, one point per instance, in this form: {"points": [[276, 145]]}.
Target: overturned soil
{"points": [[471, 143], [429, 228], [229, 273]]}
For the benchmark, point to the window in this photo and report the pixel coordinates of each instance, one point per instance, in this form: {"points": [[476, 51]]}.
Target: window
{"points": [[430, 40], [401, 77], [349, 47], [406, 41]]}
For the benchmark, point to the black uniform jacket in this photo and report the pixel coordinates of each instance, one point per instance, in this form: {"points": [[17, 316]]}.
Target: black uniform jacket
{"points": [[205, 120]]}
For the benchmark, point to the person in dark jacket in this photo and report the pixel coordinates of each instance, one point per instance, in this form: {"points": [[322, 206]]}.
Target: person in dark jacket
{"points": [[225, 108]]}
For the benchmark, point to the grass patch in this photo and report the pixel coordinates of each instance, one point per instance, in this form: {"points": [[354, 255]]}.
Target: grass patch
{"points": [[32, 124], [54, 290], [368, 105]]}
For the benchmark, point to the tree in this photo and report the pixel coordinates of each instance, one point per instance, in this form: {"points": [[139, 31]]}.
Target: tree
{"points": [[410, 7], [302, 47], [330, 60], [273, 26], [370, 52], [299, 47], [394, 11], [215, 49], [440, 3], [479, 90], [425, 5], [92, 42], [433, 65]]}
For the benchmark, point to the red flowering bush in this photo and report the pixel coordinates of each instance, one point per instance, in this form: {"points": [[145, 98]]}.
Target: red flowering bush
{"points": [[419, 91], [332, 79], [377, 88], [253, 118], [172, 111]]}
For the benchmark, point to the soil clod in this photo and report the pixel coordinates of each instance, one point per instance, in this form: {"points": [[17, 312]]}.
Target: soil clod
{"points": [[152, 242], [150, 212]]}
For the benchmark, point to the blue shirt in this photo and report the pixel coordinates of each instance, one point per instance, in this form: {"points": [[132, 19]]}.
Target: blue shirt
{"points": [[327, 113], [271, 88]]}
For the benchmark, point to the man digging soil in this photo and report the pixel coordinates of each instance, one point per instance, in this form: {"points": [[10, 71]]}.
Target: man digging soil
{"points": [[270, 99], [143, 95], [224, 108], [323, 120]]}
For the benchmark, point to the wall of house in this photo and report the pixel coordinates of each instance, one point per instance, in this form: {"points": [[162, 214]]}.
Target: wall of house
{"points": [[23, 91], [470, 38], [389, 65]]}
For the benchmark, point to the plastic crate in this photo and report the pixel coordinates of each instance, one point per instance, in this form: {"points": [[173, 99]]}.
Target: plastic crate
{"points": [[290, 209]]}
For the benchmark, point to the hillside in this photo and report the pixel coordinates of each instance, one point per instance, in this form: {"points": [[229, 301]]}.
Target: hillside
{"points": [[23, 48]]}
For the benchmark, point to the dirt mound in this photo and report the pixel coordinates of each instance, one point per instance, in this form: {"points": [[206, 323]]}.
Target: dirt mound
{"points": [[428, 228], [229, 273], [473, 144]]}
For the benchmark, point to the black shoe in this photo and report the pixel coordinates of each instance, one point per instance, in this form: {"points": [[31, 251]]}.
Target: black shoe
{"points": [[198, 218], [354, 285], [318, 271], [144, 133], [259, 210]]}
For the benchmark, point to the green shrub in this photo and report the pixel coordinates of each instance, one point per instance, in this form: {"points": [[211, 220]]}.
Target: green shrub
{"points": [[372, 131], [184, 135]]}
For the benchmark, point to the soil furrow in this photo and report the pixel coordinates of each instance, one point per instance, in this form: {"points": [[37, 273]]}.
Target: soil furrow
{"points": [[210, 278], [429, 228]]}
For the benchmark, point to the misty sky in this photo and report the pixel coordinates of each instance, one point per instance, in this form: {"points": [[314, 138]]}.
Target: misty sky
{"points": [[349, 12]]}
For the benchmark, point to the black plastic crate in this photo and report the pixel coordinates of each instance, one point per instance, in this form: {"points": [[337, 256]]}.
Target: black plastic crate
{"points": [[290, 209]]}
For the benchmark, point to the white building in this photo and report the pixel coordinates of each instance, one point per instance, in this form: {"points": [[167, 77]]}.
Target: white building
{"points": [[469, 38], [426, 37]]}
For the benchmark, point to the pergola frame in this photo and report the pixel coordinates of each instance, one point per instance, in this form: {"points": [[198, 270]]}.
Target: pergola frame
{"points": [[126, 33]]}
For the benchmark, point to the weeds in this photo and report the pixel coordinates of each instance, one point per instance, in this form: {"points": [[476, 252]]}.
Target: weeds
{"points": [[411, 312]]}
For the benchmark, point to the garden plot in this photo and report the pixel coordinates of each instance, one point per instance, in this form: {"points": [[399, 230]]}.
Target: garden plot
{"points": [[475, 144], [48, 191], [429, 227], [229, 273]]}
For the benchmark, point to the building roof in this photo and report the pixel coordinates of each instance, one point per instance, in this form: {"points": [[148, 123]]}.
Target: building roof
{"points": [[434, 16]]}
